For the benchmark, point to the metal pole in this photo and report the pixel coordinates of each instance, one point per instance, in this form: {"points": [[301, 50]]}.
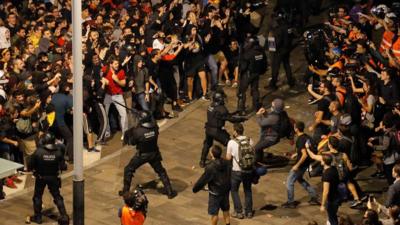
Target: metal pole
{"points": [[78, 181]]}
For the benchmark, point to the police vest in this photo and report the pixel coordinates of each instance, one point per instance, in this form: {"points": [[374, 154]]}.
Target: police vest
{"points": [[396, 48], [387, 40], [258, 64], [147, 141], [214, 113]]}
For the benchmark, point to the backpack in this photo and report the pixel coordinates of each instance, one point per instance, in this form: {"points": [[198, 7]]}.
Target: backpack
{"points": [[286, 128], [246, 154], [339, 163], [24, 125], [353, 151]]}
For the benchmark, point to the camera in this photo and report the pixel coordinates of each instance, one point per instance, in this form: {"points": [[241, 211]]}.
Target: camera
{"points": [[140, 202]]}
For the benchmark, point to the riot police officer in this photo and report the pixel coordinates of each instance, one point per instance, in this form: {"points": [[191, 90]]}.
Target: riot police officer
{"points": [[252, 64], [145, 137], [280, 46], [46, 164], [217, 114]]}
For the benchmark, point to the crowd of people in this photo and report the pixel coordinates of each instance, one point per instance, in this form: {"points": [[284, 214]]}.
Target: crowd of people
{"points": [[146, 55], [137, 55], [353, 79]]}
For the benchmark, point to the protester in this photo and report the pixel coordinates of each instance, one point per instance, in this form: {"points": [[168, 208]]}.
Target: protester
{"points": [[217, 177]]}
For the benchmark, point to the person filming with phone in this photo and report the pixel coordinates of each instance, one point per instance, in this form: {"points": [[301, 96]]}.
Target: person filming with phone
{"points": [[392, 203]]}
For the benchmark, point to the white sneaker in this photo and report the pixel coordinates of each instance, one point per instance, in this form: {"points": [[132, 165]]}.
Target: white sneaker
{"points": [[205, 98], [107, 135], [235, 84], [122, 137], [228, 83]]}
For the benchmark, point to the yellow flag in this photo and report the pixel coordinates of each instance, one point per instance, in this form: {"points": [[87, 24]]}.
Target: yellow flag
{"points": [[50, 118]]}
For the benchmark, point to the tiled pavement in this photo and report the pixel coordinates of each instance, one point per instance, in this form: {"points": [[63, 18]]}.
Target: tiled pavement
{"points": [[180, 143]]}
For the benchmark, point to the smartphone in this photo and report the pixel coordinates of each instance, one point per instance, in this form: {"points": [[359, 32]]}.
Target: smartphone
{"points": [[308, 143]]}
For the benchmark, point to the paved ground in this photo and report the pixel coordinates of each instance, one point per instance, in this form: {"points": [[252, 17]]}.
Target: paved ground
{"points": [[181, 142]]}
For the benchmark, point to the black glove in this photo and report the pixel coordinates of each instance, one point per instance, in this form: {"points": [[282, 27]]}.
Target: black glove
{"points": [[63, 166]]}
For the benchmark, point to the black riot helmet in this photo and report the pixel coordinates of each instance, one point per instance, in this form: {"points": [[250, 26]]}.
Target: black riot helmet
{"points": [[219, 97], [48, 141], [146, 119]]}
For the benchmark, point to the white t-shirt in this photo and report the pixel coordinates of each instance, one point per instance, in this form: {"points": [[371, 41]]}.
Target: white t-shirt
{"points": [[233, 150], [158, 45]]}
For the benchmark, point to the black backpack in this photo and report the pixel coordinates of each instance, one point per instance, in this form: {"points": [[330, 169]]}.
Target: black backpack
{"points": [[340, 165], [286, 128]]}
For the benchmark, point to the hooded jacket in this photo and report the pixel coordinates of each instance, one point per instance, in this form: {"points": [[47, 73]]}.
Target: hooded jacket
{"points": [[217, 176], [4, 41]]}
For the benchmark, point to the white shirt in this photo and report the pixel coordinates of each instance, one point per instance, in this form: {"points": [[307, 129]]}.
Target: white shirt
{"points": [[158, 45], [233, 150]]}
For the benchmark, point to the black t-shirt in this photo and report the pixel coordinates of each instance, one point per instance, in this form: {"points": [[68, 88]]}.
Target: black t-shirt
{"points": [[153, 69], [301, 144], [323, 105], [232, 57], [331, 176], [389, 92]]}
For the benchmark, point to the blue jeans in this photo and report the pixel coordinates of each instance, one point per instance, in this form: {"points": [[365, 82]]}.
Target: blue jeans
{"points": [[298, 176], [236, 179], [212, 65], [332, 209], [5, 151], [142, 101]]}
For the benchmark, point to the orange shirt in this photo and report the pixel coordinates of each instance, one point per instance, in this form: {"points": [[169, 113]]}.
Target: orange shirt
{"points": [[131, 217], [354, 36]]}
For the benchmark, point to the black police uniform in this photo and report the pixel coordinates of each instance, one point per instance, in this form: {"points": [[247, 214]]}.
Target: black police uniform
{"points": [[2, 193], [46, 163], [217, 114], [253, 63], [145, 137], [281, 55]]}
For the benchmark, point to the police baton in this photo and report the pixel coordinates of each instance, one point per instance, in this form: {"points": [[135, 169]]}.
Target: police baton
{"points": [[134, 111]]}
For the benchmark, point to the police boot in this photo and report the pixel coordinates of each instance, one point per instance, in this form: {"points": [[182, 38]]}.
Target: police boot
{"points": [[59, 202], [168, 187], [241, 107], [34, 219], [63, 220], [127, 184]]}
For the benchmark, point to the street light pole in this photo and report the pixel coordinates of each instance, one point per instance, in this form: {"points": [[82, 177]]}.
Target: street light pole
{"points": [[78, 181]]}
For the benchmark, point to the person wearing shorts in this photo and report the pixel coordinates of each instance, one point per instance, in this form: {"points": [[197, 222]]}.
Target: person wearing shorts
{"points": [[217, 176]]}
